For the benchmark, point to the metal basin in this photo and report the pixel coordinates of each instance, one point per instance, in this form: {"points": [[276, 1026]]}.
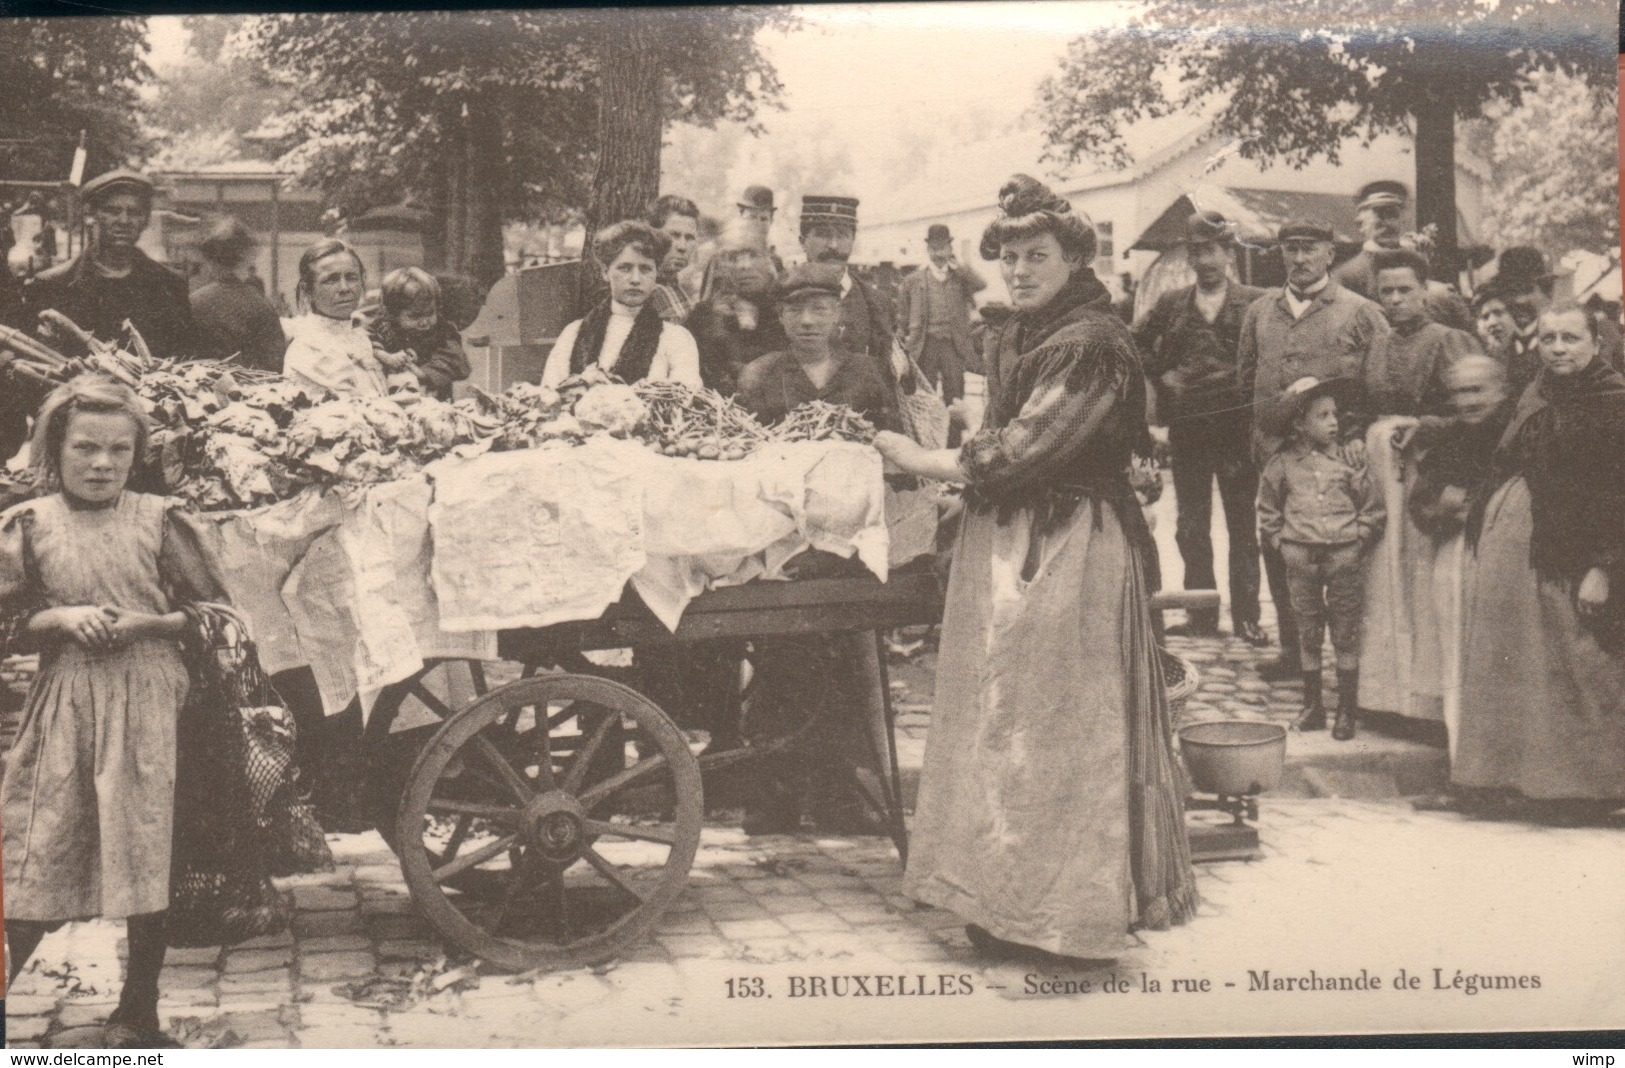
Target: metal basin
{"points": [[1234, 758]]}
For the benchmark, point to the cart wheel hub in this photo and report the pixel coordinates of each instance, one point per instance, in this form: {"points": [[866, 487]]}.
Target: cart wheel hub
{"points": [[553, 826]]}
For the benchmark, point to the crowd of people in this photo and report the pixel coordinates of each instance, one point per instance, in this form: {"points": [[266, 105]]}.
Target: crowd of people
{"points": [[1450, 505]]}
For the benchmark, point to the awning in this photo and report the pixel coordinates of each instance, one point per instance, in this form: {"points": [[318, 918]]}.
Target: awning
{"points": [[1258, 215]]}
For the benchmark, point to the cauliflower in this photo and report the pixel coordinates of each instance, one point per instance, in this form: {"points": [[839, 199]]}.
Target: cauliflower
{"points": [[611, 407]]}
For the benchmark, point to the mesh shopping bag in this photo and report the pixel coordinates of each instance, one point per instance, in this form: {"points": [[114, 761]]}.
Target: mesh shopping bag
{"points": [[924, 412]]}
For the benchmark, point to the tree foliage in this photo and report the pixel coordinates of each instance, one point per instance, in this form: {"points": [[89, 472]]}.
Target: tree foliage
{"points": [[1295, 81], [1555, 160], [216, 99], [63, 75], [485, 116]]}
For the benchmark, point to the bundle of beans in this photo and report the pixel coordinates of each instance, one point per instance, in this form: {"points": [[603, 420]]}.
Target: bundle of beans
{"points": [[699, 423]]}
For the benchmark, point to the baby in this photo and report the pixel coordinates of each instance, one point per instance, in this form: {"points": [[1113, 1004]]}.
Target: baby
{"points": [[411, 336], [1322, 514]]}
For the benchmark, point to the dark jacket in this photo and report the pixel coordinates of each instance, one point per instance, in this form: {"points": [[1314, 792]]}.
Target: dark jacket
{"points": [[726, 347], [437, 353], [963, 283], [774, 385], [1174, 337], [234, 319], [151, 296], [867, 326]]}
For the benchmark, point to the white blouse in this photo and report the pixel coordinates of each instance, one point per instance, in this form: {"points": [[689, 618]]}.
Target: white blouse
{"points": [[335, 354], [677, 357]]}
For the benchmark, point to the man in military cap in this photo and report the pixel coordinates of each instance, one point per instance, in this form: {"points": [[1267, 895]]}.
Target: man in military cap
{"points": [[113, 280], [829, 226], [1312, 326], [1379, 208], [1189, 341], [935, 304], [832, 680]]}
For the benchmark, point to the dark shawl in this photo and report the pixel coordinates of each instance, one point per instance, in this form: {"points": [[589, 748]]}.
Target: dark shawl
{"points": [[1066, 410], [637, 353], [1567, 440]]}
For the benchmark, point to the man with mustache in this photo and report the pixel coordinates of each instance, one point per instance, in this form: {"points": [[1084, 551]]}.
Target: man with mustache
{"points": [[1313, 327], [113, 280], [829, 226]]}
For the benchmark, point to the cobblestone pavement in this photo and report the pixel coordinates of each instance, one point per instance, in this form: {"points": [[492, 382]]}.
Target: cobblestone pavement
{"points": [[1342, 886]]}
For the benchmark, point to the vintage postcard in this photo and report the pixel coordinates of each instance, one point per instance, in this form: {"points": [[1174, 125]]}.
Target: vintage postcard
{"points": [[811, 525]]}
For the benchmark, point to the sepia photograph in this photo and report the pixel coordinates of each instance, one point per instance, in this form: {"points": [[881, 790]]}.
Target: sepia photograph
{"points": [[811, 525]]}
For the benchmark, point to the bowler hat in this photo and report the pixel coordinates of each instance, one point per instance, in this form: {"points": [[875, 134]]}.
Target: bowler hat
{"points": [[1521, 267], [829, 209], [1384, 193], [757, 196], [1304, 230], [1281, 414], [937, 234], [1206, 228], [808, 279], [117, 181]]}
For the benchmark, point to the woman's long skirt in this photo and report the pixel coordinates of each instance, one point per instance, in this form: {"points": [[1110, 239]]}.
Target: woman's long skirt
{"points": [[1401, 651], [1049, 812], [1543, 705]]}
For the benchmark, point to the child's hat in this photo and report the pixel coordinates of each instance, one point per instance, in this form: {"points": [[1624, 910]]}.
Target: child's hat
{"points": [[1289, 407]]}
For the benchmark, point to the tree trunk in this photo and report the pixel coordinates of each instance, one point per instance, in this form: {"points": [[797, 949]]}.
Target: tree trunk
{"points": [[630, 119], [1435, 115], [470, 212]]}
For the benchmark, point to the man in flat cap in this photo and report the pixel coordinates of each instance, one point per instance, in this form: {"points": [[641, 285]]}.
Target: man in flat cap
{"points": [[113, 280], [1190, 343], [833, 680], [935, 304], [1312, 326], [829, 226], [1380, 208]]}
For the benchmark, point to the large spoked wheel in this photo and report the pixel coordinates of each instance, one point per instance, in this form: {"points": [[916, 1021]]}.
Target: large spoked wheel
{"points": [[551, 822]]}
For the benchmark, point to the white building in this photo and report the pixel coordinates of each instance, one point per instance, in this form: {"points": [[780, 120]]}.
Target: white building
{"points": [[1179, 156]]}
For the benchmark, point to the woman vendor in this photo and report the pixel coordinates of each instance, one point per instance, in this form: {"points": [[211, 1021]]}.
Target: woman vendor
{"points": [[327, 348], [624, 335], [1543, 663], [1050, 815]]}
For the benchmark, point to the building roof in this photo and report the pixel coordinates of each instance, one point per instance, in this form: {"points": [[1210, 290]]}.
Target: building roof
{"points": [[1257, 214]]}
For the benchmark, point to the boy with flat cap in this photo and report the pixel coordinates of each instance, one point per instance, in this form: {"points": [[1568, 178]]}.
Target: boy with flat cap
{"points": [[834, 680], [112, 280], [1189, 342]]}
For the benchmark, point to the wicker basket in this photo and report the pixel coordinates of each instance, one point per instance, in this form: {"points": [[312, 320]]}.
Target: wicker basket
{"points": [[1179, 677]]}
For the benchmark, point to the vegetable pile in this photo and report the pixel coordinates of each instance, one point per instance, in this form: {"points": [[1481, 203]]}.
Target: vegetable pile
{"points": [[226, 437]]}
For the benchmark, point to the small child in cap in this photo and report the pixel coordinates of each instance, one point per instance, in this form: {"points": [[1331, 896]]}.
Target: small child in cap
{"points": [[412, 324], [1322, 514]]}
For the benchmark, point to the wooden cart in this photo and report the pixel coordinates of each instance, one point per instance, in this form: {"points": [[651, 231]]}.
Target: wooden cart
{"points": [[550, 821]]}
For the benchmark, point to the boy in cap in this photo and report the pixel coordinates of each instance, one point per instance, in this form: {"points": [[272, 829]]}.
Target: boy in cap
{"points": [[1321, 515], [113, 280], [829, 679]]}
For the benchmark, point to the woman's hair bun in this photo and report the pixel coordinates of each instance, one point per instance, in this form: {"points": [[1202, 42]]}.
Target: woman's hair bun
{"points": [[1024, 195]]}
